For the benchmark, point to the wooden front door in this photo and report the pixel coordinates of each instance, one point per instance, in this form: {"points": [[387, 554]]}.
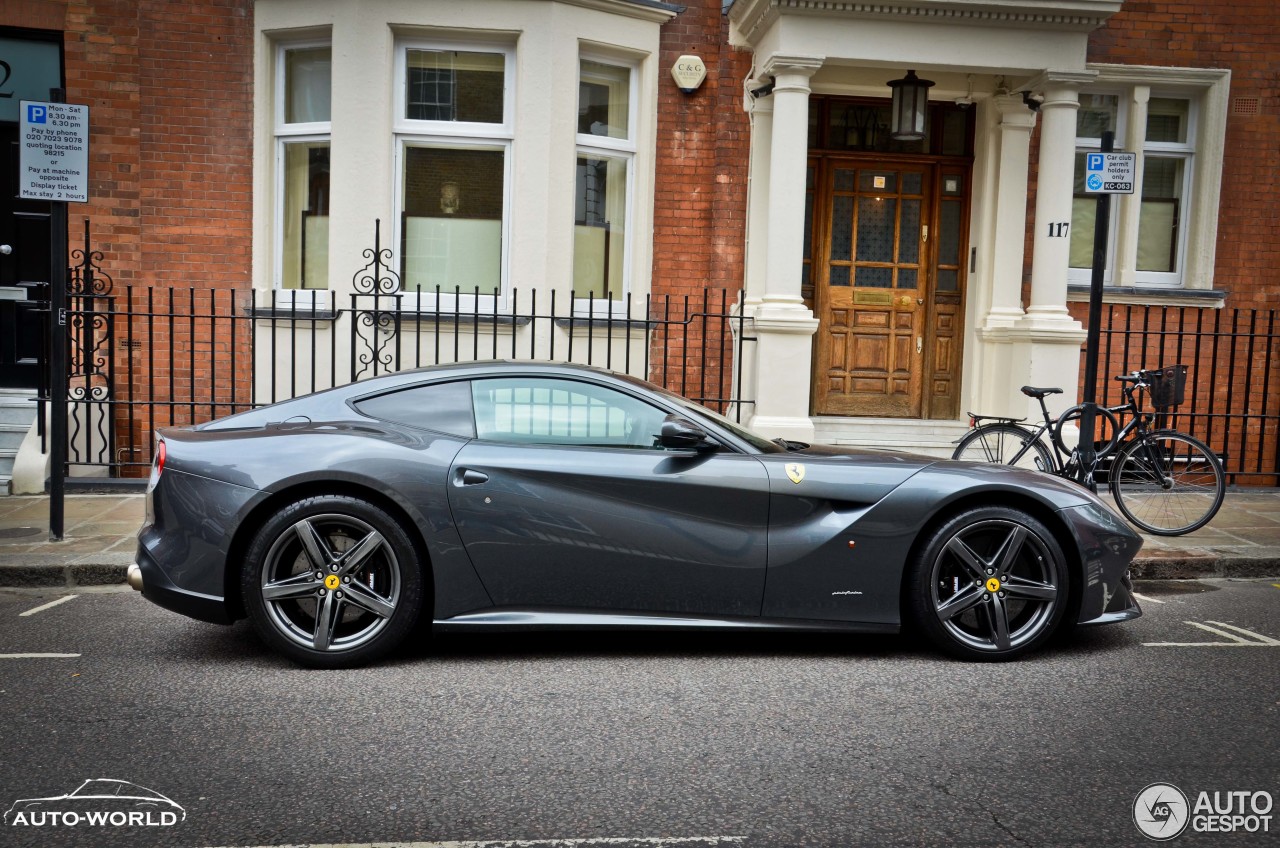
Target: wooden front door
{"points": [[871, 290]]}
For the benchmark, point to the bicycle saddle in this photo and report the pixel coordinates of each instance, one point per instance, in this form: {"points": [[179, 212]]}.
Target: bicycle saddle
{"points": [[1032, 391]]}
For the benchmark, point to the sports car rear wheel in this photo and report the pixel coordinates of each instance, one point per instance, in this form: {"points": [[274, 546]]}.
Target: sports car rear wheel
{"points": [[332, 582], [989, 584]]}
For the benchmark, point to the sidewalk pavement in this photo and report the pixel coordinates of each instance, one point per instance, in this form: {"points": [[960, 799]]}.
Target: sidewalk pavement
{"points": [[100, 535]]}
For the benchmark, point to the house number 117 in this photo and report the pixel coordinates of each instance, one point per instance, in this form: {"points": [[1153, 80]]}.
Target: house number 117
{"points": [[1058, 230]]}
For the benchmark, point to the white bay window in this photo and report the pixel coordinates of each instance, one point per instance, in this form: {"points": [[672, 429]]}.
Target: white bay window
{"points": [[454, 133]]}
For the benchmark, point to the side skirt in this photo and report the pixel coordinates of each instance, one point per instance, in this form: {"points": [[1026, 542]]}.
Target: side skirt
{"points": [[514, 619]]}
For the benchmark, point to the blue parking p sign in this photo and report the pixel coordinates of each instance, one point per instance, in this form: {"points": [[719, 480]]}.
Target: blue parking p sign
{"points": [[36, 114], [1110, 173]]}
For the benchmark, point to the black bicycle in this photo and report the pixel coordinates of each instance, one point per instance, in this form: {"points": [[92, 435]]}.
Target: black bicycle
{"points": [[1166, 482]]}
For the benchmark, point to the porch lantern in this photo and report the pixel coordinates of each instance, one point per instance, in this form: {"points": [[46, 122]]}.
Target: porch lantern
{"points": [[910, 99]]}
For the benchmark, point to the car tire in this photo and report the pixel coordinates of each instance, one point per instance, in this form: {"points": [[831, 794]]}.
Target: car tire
{"points": [[988, 584], [332, 582]]}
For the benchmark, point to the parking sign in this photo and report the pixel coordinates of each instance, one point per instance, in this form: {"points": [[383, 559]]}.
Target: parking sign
{"points": [[1110, 173], [53, 151]]}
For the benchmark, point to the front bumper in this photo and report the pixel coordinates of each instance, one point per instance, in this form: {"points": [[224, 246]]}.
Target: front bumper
{"points": [[1107, 546], [1123, 606]]}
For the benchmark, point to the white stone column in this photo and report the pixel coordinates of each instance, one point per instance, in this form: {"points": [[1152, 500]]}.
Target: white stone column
{"points": [[1008, 247], [1051, 238], [1045, 343], [989, 369], [757, 251], [784, 326]]}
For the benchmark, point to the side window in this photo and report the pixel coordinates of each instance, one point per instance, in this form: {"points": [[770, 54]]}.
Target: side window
{"points": [[443, 407], [563, 412]]}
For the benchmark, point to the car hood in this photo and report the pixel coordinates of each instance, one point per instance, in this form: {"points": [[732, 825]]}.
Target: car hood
{"points": [[885, 470]]}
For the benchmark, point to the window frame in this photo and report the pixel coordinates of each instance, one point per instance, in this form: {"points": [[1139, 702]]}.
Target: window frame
{"points": [[284, 134], [1206, 92], [1185, 151], [606, 147], [461, 135]]}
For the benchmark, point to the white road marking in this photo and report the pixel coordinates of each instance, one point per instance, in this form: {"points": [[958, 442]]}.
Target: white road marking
{"points": [[44, 607], [1255, 640], [533, 843], [1148, 599], [36, 656]]}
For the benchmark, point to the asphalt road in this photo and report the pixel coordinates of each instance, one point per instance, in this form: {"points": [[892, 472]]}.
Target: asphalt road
{"points": [[640, 739]]}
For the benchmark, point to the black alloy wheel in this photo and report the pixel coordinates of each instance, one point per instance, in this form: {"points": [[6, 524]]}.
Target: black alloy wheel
{"points": [[989, 584], [332, 582]]}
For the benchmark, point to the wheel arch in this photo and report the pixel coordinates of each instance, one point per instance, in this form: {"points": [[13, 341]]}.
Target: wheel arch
{"points": [[258, 516], [1042, 512]]}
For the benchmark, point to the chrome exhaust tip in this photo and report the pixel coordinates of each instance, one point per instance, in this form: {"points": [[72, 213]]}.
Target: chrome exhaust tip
{"points": [[135, 577]]}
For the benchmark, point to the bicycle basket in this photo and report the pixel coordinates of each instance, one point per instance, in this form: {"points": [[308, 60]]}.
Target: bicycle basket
{"points": [[1168, 386]]}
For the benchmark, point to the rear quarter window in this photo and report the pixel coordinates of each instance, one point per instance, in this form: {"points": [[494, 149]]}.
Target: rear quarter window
{"points": [[442, 407]]}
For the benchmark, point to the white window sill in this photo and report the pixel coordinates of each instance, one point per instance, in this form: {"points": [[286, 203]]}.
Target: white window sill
{"points": [[1151, 296]]}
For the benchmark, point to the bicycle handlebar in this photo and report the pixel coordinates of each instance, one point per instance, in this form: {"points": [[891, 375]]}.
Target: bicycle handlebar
{"points": [[1135, 377]]}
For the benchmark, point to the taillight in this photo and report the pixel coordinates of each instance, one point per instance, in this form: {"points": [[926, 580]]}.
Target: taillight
{"points": [[157, 464]]}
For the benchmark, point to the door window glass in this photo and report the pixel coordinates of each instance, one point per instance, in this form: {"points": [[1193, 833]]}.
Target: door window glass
{"points": [[563, 412]]}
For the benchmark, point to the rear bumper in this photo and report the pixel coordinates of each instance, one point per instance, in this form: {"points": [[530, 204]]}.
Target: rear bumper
{"points": [[161, 591], [182, 546]]}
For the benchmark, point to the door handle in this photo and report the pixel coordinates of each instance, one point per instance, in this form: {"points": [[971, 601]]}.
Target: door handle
{"points": [[471, 477], [919, 344]]}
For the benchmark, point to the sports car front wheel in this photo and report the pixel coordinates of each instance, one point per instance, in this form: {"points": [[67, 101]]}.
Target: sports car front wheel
{"points": [[332, 582], [989, 584]]}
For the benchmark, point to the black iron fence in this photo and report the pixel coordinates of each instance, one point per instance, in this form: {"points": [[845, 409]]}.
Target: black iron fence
{"points": [[1233, 385], [142, 358]]}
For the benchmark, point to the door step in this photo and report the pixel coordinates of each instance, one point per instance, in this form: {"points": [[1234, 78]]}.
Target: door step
{"points": [[929, 438], [17, 413]]}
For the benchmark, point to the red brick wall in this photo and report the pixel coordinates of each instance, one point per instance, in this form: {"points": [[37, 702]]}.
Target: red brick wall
{"points": [[170, 93], [701, 192], [1244, 36], [1234, 382]]}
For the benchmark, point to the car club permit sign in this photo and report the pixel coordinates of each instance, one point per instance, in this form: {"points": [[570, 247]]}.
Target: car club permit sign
{"points": [[1110, 173], [53, 158]]}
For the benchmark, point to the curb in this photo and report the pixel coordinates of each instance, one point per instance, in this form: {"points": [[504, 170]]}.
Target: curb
{"points": [[1172, 567], [62, 576], [1175, 566]]}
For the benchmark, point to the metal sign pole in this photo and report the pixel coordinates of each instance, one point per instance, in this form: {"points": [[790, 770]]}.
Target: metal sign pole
{"points": [[57, 355], [1088, 414]]}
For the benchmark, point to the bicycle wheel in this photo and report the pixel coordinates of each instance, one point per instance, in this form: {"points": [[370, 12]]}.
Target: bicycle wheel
{"points": [[1168, 483], [1106, 428], [1003, 444]]}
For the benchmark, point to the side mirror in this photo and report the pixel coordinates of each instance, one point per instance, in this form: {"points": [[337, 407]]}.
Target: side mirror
{"points": [[682, 434]]}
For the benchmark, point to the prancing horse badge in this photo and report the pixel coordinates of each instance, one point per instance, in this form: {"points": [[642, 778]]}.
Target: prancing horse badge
{"points": [[795, 471]]}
